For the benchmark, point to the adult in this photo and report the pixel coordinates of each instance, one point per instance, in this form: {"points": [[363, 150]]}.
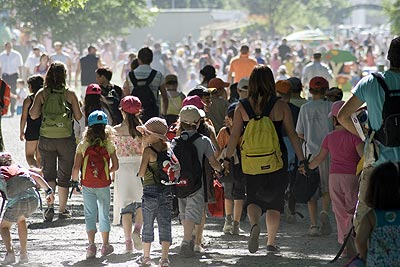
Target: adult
{"points": [[57, 154], [112, 92], [158, 63], [157, 86], [219, 105], [207, 73], [259, 57], [59, 55], [261, 89], [86, 69], [284, 49], [32, 60], [241, 66], [4, 102], [314, 69], [369, 91], [11, 67]]}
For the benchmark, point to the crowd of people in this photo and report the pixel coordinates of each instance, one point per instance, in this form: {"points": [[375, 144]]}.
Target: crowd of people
{"points": [[212, 100]]}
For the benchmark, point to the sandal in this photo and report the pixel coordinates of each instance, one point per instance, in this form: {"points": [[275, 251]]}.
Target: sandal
{"points": [[163, 263], [144, 261], [253, 241], [272, 248]]}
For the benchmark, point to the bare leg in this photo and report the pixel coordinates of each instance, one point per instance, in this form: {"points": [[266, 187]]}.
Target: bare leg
{"points": [[146, 250], [31, 152], [105, 236], [188, 227], [199, 229], [228, 207], [165, 249], [22, 233], [127, 225], [312, 210], [254, 214], [272, 219], [326, 202], [91, 235], [62, 198], [5, 235], [138, 220], [237, 210]]}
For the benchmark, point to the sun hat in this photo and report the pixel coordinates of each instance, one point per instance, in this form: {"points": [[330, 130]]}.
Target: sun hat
{"points": [[319, 83], [93, 89], [243, 84], [5, 159], [155, 126], [217, 83], [131, 104], [283, 86], [195, 101], [97, 117], [335, 108], [190, 115]]}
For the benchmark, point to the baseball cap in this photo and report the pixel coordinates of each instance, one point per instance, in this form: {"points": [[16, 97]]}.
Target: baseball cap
{"points": [[243, 84], [200, 90], [217, 83], [297, 87], [97, 117], [195, 100], [335, 108], [394, 50], [93, 89], [5, 159], [189, 114], [318, 83], [131, 104], [171, 78], [155, 126], [283, 87]]}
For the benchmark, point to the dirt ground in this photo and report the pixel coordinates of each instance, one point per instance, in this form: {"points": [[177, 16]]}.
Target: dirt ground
{"points": [[63, 243]]}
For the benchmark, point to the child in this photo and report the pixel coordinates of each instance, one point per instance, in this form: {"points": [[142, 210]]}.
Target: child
{"points": [[378, 237], [20, 207], [93, 154], [191, 208], [21, 95], [234, 190], [128, 190], [175, 98], [157, 199], [31, 134], [346, 150]]}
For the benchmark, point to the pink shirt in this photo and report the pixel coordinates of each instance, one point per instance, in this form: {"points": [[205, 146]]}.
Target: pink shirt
{"points": [[341, 144]]}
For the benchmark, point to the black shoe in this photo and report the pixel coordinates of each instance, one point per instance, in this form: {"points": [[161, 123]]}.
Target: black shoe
{"points": [[48, 215], [64, 215]]}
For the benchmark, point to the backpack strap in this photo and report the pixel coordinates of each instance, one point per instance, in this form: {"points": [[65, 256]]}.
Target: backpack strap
{"points": [[133, 78], [381, 82], [250, 112], [193, 137], [151, 77], [148, 80], [270, 104]]}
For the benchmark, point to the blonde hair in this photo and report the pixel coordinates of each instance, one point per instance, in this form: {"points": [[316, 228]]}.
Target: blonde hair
{"points": [[98, 134]]}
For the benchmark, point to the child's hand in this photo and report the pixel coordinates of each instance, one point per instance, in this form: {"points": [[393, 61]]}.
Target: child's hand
{"points": [[22, 137], [50, 199], [302, 169]]}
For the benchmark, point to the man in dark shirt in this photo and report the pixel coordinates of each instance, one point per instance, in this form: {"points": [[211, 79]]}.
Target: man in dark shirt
{"points": [[283, 49], [86, 68]]}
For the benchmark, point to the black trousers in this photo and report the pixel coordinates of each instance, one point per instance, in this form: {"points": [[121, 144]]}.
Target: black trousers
{"points": [[11, 79]]}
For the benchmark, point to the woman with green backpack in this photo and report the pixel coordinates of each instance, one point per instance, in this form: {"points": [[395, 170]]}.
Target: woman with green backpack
{"points": [[263, 152]]}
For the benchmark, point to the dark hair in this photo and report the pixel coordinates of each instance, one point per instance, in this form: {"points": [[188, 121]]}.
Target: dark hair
{"points": [[106, 72], [383, 190], [134, 64], [36, 82], [55, 76], [233, 96], [145, 55], [261, 85], [244, 49], [96, 134], [90, 48], [133, 121], [94, 102]]}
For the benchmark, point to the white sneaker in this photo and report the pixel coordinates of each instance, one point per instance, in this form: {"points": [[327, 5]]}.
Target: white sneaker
{"points": [[199, 249], [9, 258], [137, 241]]}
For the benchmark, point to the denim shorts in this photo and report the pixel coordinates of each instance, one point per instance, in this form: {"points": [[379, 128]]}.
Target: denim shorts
{"points": [[131, 208], [156, 204]]}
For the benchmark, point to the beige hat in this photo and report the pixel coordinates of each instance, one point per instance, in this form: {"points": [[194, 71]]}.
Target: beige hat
{"points": [[155, 126], [189, 114], [243, 84]]}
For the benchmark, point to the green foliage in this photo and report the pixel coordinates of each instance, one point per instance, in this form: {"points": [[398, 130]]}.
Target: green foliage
{"points": [[66, 5], [393, 10]]}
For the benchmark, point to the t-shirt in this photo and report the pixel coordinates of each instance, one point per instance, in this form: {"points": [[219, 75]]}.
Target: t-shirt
{"points": [[341, 144], [217, 112], [314, 124], [242, 66], [368, 90]]}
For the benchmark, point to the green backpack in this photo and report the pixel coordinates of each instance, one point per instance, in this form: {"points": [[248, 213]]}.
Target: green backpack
{"points": [[57, 115]]}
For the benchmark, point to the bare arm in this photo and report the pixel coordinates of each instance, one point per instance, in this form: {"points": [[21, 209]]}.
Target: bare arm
{"points": [[126, 88], [323, 153], [290, 131], [363, 234], [24, 117], [164, 99], [344, 116], [360, 149], [77, 166], [76, 110], [37, 176], [77, 73], [236, 131], [145, 162], [114, 162], [36, 108]]}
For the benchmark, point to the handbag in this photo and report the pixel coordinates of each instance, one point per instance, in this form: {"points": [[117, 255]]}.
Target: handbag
{"points": [[306, 185]]}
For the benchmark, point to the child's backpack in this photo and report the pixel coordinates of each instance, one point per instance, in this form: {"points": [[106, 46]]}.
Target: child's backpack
{"points": [[57, 115], [4, 97], [168, 170], [389, 133], [95, 168], [260, 148], [191, 170], [142, 90]]}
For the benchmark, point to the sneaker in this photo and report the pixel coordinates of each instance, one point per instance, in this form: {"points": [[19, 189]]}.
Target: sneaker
{"points": [[326, 227], [235, 228], [186, 250], [107, 250], [144, 261], [64, 215], [9, 258], [163, 263], [48, 215], [23, 258], [137, 241], [228, 226], [313, 231], [129, 245], [91, 251], [199, 249], [272, 248], [253, 241]]}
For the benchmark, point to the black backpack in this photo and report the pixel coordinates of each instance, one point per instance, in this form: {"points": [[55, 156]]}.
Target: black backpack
{"points": [[142, 90], [191, 170], [389, 133], [113, 98], [168, 167]]}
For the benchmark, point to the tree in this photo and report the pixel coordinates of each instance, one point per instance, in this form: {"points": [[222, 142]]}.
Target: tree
{"points": [[393, 9]]}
